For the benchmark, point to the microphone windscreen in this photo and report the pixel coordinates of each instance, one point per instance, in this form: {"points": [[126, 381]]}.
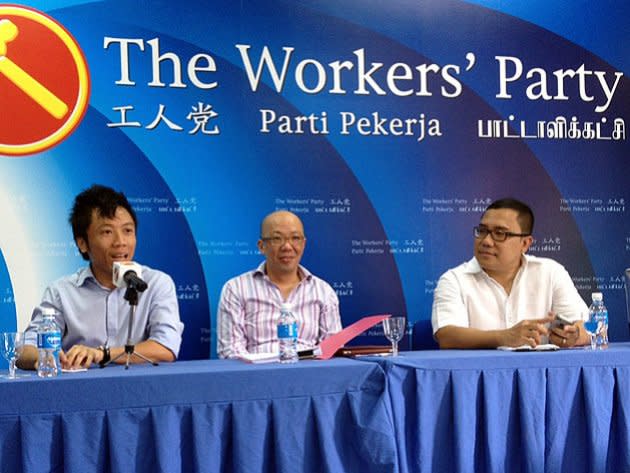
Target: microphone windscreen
{"points": [[123, 267]]}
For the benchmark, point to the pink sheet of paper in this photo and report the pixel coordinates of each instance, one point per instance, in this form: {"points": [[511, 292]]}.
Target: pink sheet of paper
{"points": [[336, 341]]}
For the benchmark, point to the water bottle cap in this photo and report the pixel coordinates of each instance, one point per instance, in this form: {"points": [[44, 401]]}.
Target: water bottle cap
{"points": [[48, 311], [285, 307], [597, 296]]}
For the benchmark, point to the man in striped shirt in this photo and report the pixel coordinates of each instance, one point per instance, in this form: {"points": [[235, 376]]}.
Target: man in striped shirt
{"points": [[249, 307]]}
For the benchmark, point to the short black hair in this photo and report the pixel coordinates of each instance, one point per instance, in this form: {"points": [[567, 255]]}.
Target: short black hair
{"points": [[525, 214], [101, 198]]}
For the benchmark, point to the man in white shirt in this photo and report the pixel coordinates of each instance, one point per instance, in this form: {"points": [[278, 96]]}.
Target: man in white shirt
{"points": [[503, 297]]}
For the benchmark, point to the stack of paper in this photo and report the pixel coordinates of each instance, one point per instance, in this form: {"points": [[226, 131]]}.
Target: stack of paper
{"points": [[543, 347], [259, 357]]}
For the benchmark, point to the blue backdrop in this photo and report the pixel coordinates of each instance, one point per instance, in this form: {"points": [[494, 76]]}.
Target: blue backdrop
{"points": [[387, 126]]}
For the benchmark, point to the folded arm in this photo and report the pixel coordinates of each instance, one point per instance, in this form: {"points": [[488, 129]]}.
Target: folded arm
{"points": [[232, 338]]}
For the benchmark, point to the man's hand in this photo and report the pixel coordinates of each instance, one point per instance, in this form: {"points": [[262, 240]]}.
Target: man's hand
{"points": [[80, 356], [565, 336], [526, 332]]}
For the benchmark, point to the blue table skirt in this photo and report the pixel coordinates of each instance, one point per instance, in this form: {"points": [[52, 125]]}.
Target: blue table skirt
{"points": [[201, 416], [489, 411]]}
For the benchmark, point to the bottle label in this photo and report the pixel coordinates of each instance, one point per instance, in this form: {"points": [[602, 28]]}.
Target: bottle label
{"points": [[49, 340], [288, 330]]}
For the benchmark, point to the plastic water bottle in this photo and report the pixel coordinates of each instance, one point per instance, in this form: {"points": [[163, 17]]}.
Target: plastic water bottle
{"points": [[598, 313], [48, 345], [287, 335]]}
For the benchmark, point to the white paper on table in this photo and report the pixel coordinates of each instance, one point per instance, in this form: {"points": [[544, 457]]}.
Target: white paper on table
{"points": [[259, 357], [542, 347]]}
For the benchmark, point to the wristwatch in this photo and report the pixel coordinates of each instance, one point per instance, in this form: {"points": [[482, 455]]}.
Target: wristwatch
{"points": [[106, 355]]}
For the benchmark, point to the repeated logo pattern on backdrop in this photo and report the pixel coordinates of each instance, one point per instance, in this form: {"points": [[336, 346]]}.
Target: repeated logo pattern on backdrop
{"points": [[387, 126]]}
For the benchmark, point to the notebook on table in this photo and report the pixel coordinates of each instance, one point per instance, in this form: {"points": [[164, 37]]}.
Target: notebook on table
{"points": [[364, 350], [333, 343]]}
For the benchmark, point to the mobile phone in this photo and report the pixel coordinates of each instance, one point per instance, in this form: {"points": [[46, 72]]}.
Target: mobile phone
{"points": [[309, 353], [560, 322], [306, 354]]}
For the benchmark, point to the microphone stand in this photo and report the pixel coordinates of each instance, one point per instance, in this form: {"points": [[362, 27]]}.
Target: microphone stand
{"points": [[131, 295]]}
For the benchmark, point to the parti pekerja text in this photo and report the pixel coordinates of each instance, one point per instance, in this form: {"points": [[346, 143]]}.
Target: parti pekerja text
{"points": [[348, 123]]}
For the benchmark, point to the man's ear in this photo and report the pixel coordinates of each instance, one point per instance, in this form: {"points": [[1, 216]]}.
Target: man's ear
{"points": [[527, 242], [82, 244]]}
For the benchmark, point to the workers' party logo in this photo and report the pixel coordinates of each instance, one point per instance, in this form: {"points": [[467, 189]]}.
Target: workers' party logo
{"points": [[44, 81]]}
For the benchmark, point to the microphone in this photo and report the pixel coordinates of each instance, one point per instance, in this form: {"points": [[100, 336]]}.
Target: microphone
{"points": [[128, 274]]}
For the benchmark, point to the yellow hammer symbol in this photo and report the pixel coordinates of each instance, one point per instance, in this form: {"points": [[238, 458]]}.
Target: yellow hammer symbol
{"points": [[40, 94]]}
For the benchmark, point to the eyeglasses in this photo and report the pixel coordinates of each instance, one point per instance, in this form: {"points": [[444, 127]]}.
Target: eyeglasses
{"points": [[496, 234], [294, 240]]}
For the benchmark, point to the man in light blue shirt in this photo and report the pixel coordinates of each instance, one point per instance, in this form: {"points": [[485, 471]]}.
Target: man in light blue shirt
{"points": [[90, 311]]}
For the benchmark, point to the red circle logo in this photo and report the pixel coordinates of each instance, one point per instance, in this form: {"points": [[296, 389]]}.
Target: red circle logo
{"points": [[44, 81]]}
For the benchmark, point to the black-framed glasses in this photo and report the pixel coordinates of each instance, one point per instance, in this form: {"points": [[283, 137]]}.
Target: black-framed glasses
{"points": [[497, 234], [294, 240]]}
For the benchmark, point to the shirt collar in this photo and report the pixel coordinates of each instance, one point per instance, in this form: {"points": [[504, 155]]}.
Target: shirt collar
{"points": [[473, 266], [85, 274], [303, 272]]}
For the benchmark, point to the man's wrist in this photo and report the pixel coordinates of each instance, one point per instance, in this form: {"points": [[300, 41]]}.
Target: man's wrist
{"points": [[106, 355]]}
